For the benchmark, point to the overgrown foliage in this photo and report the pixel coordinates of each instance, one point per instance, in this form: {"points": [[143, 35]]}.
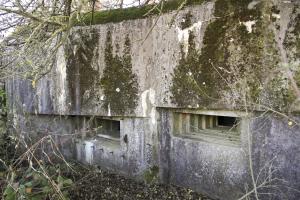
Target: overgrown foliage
{"points": [[32, 184], [31, 168]]}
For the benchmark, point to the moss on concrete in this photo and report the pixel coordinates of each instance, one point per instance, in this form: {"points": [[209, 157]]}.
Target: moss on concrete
{"points": [[187, 21], [118, 15], [297, 78], [296, 32], [291, 98], [232, 61], [119, 83], [185, 88], [292, 40], [292, 46], [151, 175], [81, 75]]}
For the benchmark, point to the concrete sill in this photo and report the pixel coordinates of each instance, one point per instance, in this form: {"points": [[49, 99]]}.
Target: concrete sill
{"points": [[108, 137], [106, 143], [212, 136]]}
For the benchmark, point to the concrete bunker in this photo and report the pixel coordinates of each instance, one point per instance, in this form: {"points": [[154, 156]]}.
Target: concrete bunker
{"points": [[104, 128], [211, 127], [179, 117]]}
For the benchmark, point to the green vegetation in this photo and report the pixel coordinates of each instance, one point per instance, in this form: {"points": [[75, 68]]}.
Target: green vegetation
{"points": [[117, 15], [186, 89], [292, 46], [6, 144], [296, 34], [33, 184], [3, 106], [292, 39], [151, 175], [80, 54], [232, 60], [119, 83]]}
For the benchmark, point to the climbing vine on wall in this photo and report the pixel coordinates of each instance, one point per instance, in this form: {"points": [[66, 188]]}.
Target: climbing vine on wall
{"points": [[119, 83]]}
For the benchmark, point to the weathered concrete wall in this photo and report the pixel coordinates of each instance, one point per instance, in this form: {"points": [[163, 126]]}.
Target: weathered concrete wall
{"points": [[225, 58], [202, 60], [131, 157], [151, 61], [275, 144], [207, 167], [222, 170], [196, 65]]}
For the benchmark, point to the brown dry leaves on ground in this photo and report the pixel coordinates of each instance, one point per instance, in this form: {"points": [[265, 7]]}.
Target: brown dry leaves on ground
{"points": [[98, 184]]}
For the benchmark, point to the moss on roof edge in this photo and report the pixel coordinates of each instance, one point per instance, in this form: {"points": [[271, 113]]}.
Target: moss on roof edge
{"points": [[132, 13]]}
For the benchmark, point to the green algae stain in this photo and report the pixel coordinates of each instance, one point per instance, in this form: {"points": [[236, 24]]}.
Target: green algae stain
{"points": [[231, 62], [292, 39], [81, 75], [297, 78], [119, 83], [296, 33], [292, 46], [185, 88], [151, 175]]}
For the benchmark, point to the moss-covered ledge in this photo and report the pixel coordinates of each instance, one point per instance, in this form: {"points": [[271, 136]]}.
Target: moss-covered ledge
{"points": [[132, 13]]}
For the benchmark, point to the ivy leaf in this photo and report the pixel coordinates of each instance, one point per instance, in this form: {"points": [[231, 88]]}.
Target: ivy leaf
{"points": [[9, 193], [68, 182], [46, 189]]}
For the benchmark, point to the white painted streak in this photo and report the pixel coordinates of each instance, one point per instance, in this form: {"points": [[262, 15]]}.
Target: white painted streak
{"points": [[148, 97], [183, 35], [277, 16], [108, 110], [152, 101], [252, 4], [144, 102], [62, 71], [153, 115], [89, 152], [249, 25]]}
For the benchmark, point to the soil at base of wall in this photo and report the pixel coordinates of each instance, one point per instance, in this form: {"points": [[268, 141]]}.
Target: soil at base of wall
{"points": [[99, 184], [93, 183]]}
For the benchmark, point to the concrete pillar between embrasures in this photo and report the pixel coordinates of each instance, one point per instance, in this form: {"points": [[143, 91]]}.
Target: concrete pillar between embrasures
{"points": [[178, 123], [194, 123], [211, 121], [202, 121], [185, 123]]}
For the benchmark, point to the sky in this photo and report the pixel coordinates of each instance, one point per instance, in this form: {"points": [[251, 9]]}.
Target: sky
{"points": [[127, 3]]}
